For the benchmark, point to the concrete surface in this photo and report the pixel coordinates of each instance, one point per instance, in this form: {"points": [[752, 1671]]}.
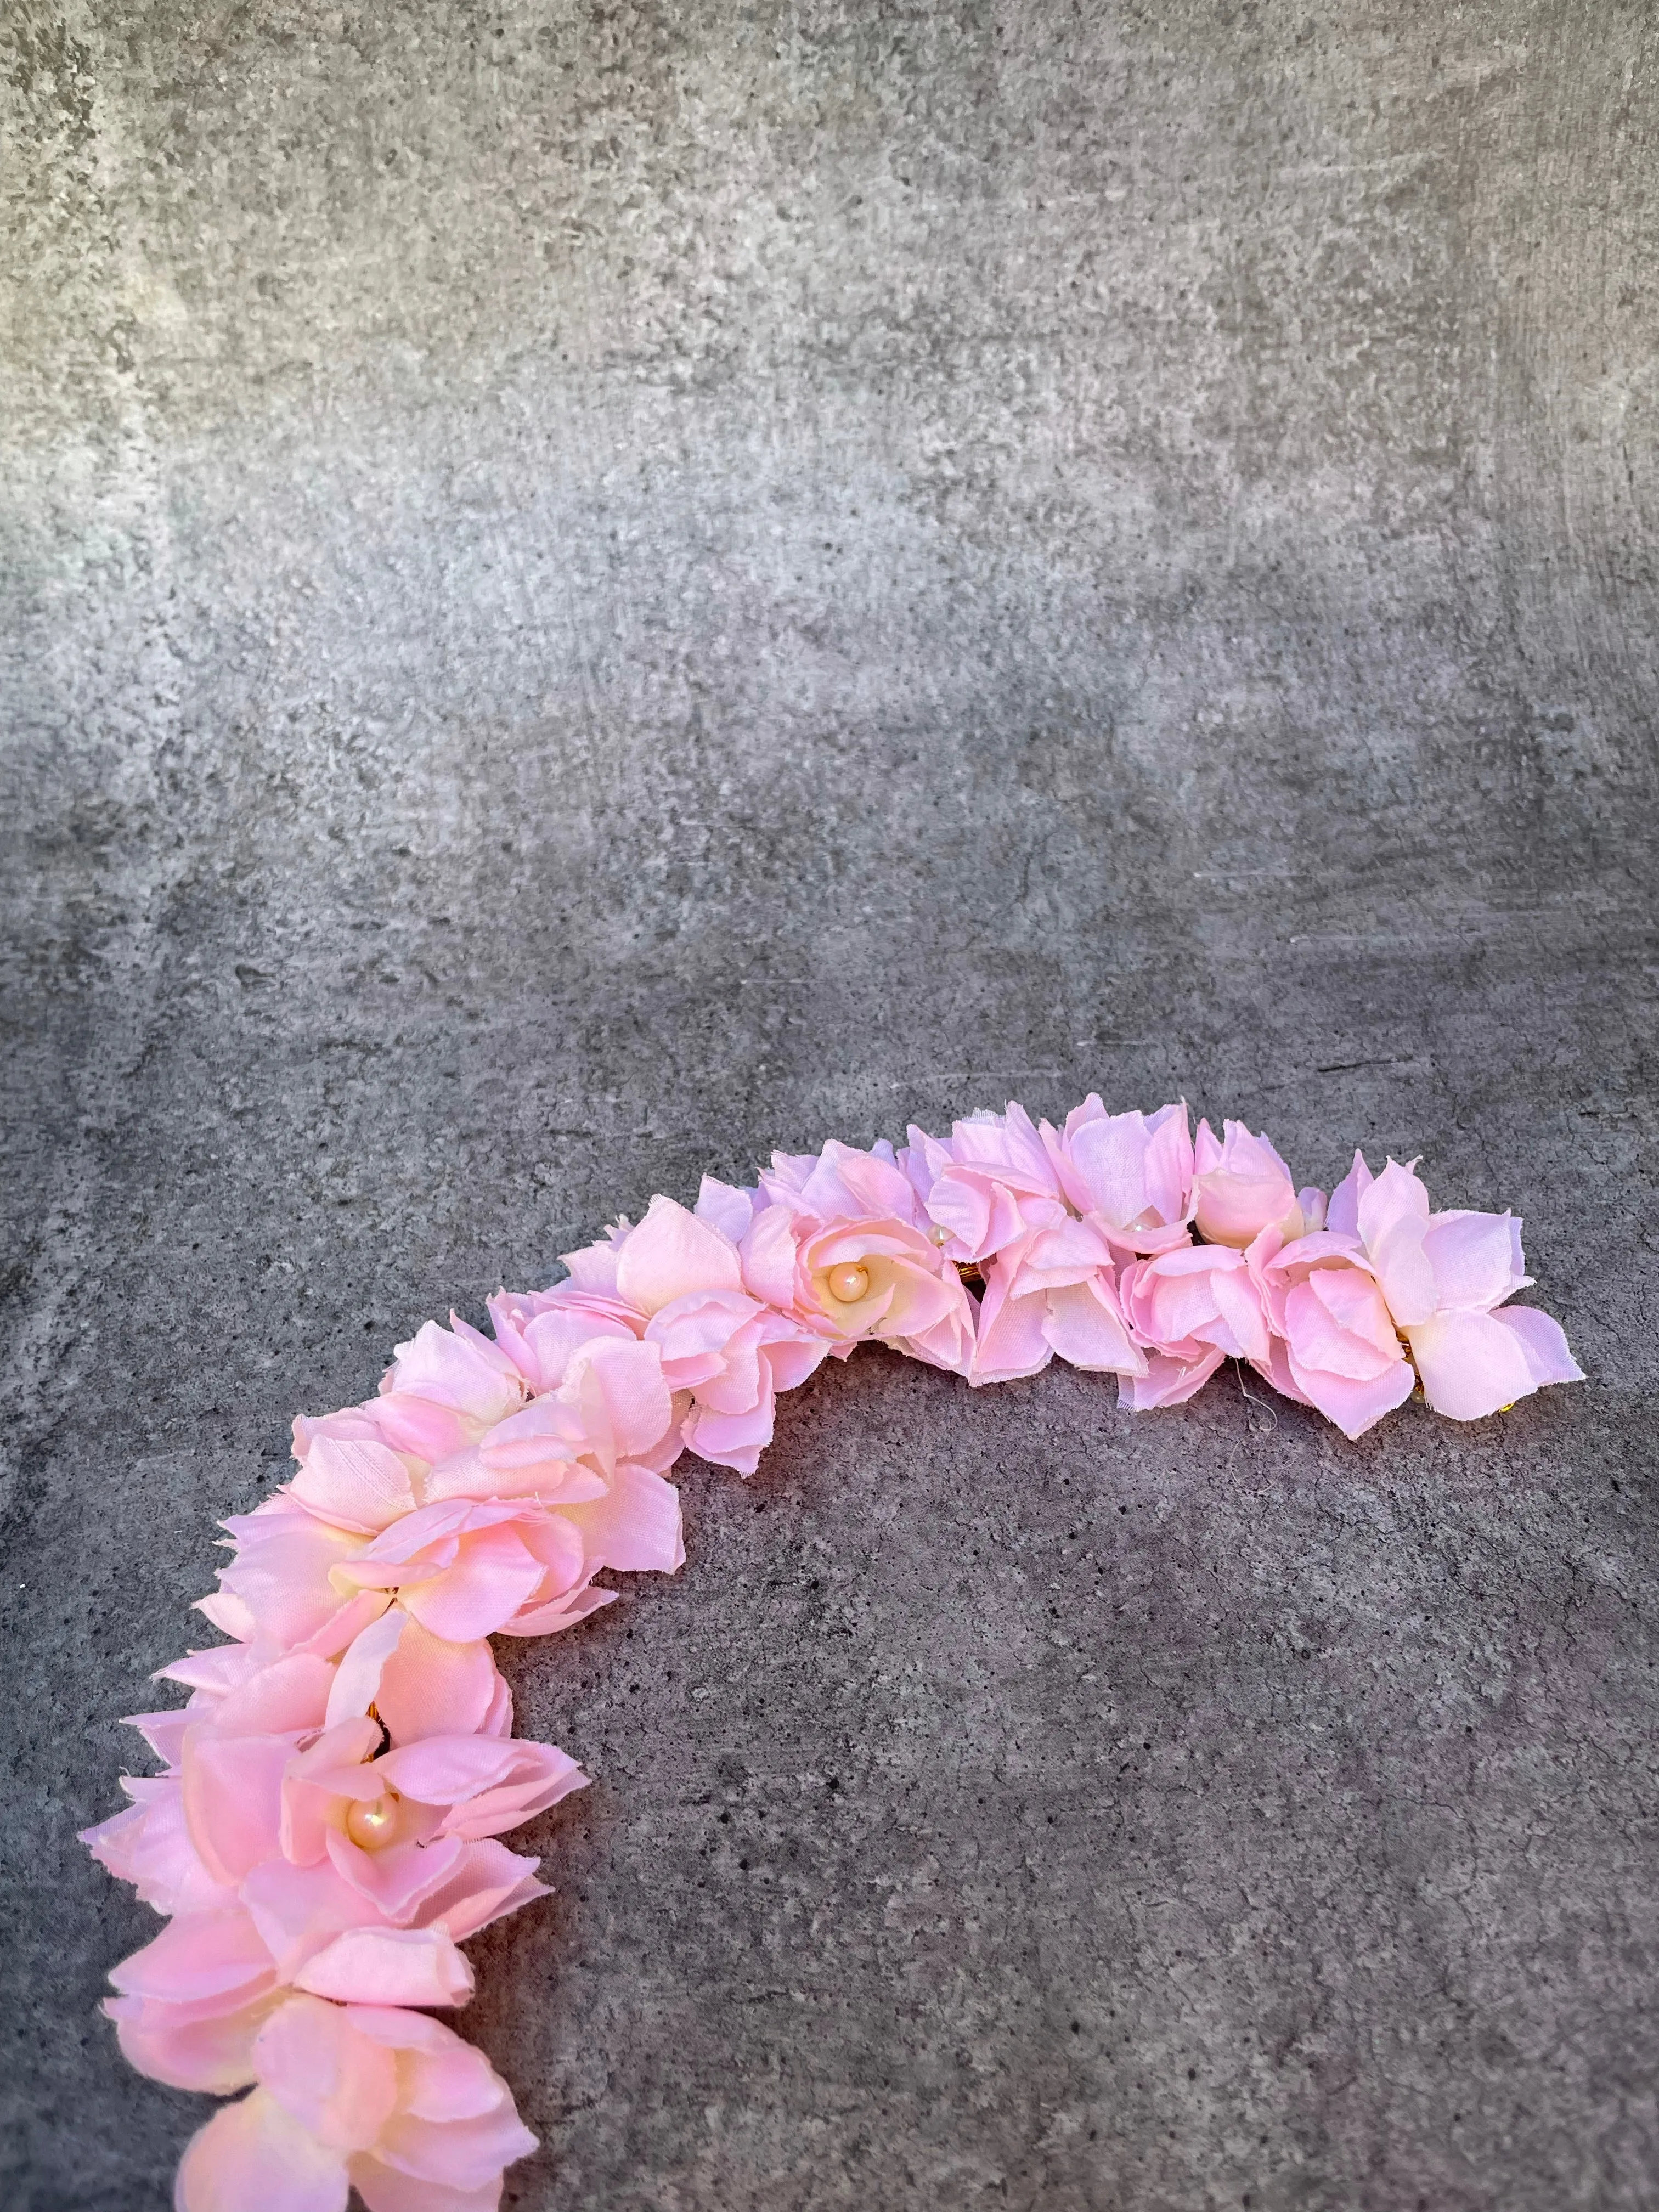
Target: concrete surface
{"points": [[589, 589]]}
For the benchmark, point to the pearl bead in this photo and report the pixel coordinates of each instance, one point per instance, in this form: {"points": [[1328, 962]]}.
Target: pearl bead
{"points": [[939, 1233], [368, 1825], [847, 1283]]}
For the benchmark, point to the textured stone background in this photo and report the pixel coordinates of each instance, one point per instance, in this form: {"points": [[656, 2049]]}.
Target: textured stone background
{"points": [[590, 589]]}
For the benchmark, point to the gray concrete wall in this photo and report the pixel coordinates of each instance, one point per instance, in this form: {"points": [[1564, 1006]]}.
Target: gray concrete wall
{"points": [[589, 589]]}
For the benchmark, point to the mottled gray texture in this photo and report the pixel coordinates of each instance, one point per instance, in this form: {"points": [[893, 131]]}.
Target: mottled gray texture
{"points": [[589, 590]]}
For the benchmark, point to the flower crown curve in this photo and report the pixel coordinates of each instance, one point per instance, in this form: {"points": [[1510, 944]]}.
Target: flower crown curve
{"points": [[325, 1834]]}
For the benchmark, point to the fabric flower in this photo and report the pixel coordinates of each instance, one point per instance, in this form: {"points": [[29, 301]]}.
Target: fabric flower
{"points": [[840, 1247], [419, 1684], [467, 1568], [1241, 1187], [1130, 1174], [1053, 1291], [356, 2096], [986, 1184], [1191, 1307], [1444, 1277], [445, 1388], [317, 1860], [1335, 1346], [723, 1351], [185, 1998], [541, 1331], [612, 1416]]}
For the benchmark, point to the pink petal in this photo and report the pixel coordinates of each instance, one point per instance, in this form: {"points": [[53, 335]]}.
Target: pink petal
{"points": [[463, 2154], [1394, 1216], [232, 1794], [170, 2043], [1544, 1343], [213, 1959], [1321, 1339], [254, 2154], [1167, 1381], [672, 1252], [1342, 1214], [768, 1255], [384, 2189], [340, 2085], [421, 1684], [554, 1338], [1242, 1187], [1239, 1305], [457, 1368], [733, 1440], [1352, 1299], [1086, 1330], [398, 1878], [487, 1786], [389, 1966], [635, 1529], [1009, 1340], [1354, 1404], [1476, 1258], [726, 1208], [281, 1571], [626, 1380], [792, 1354], [1471, 1364], [150, 1845], [547, 1450], [1276, 1369], [489, 1882], [496, 1574], [289, 1695], [164, 1732], [299, 1910], [354, 1483]]}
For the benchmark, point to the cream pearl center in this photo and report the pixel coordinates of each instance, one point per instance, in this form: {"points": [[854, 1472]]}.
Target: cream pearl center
{"points": [[371, 1825], [847, 1283]]}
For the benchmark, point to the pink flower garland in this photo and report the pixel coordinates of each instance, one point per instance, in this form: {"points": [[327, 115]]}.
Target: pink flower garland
{"points": [[324, 1834]]}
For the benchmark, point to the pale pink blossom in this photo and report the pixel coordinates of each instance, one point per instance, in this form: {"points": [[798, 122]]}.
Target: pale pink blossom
{"points": [[541, 1331], [989, 1182], [841, 1247], [1052, 1291], [467, 1568], [318, 1860], [614, 1415], [732, 1355], [188, 1996], [1335, 1345], [419, 1684], [356, 2096], [568, 1479], [422, 1685], [1130, 1174], [1190, 1309], [1241, 1187], [1446, 1277], [724, 1355]]}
